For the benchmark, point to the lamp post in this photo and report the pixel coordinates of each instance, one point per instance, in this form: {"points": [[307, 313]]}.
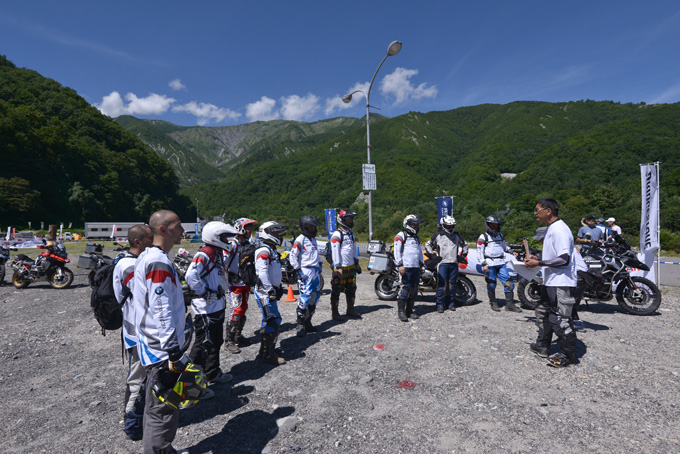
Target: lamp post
{"points": [[198, 219], [392, 49]]}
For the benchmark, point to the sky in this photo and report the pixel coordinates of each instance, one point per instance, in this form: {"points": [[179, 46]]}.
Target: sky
{"points": [[218, 63]]}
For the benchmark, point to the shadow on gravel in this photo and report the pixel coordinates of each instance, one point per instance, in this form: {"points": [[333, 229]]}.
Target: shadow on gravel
{"points": [[245, 433], [226, 400]]}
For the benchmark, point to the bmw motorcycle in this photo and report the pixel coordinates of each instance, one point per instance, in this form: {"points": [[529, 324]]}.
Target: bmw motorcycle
{"points": [[50, 264], [4, 258], [94, 260], [608, 275], [388, 283]]}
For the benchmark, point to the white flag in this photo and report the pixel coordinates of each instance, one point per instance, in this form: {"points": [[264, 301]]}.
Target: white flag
{"points": [[649, 222], [113, 231]]}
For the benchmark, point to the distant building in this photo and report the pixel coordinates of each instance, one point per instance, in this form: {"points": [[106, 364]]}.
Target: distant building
{"points": [[103, 230]]}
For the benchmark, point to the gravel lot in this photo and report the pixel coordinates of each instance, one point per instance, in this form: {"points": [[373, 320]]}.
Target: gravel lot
{"points": [[476, 387]]}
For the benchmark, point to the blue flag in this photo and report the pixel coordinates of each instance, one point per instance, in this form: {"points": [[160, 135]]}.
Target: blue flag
{"points": [[330, 222], [444, 207]]}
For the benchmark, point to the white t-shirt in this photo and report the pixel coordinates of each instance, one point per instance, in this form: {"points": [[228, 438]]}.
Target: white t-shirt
{"points": [[558, 241], [616, 229]]}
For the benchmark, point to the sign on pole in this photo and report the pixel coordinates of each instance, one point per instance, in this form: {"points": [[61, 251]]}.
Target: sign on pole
{"points": [[369, 177]]}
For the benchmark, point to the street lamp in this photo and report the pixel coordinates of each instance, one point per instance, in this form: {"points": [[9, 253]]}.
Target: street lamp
{"points": [[198, 219], [392, 49]]}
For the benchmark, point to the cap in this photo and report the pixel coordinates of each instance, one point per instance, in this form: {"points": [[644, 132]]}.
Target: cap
{"points": [[590, 217], [611, 220], [600, 219], [540, 233]]}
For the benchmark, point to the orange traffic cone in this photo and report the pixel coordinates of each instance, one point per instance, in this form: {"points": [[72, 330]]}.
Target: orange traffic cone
{"points": [[290, 298]]}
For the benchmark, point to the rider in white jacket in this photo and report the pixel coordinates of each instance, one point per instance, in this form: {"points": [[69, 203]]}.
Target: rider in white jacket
{"points": [[304, 258]]}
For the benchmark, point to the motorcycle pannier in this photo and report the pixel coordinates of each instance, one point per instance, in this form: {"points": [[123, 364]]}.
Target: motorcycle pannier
{"points": [[376, 246], [379, 262], [85, 261]]}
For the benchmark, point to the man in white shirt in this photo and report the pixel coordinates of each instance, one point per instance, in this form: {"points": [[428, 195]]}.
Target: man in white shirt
{"points": [[553, 314]]}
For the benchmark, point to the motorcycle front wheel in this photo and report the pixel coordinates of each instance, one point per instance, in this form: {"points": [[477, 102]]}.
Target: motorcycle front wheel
{"points": [[466, 292], [19, 281], [2, 274], [62, 281], [529, 293], [386, 287], [643, 298]]}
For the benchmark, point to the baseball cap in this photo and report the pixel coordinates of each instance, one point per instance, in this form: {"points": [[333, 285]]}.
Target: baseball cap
{"points": [[611, 220], [540, 233], [590, 217]]}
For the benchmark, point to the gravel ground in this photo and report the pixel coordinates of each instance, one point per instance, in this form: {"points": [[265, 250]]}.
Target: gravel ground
{"points": [[476, 387]]}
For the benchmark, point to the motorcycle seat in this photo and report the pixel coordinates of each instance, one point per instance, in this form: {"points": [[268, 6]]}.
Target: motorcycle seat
{"points": [[25, 259]]}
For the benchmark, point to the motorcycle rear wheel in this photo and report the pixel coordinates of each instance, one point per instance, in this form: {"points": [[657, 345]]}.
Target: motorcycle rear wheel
{"points": [[529, 292], [643, 300], [386, 287], [90, 278], [19, 281], [466, 292], [64, 281], [321, 282]]}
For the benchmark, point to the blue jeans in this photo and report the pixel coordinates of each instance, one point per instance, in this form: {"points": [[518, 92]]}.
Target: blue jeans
{"points": [[447, 272], [501, 273], [410, 281]]}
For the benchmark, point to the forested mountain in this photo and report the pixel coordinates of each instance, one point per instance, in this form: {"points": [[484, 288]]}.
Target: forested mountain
{"points": [[62, 160], [200, 154], [586, 154]]}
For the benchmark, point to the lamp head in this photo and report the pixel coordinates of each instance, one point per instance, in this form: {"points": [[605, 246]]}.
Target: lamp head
{"points": [[347, 98], [394, 48]]}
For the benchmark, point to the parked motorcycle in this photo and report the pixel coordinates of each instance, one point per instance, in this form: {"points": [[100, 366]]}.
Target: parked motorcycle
{"points": [[94, 260], [181, 261], [288, 273], [4, 258], [388, 283], [608, 275], [50, 264]]}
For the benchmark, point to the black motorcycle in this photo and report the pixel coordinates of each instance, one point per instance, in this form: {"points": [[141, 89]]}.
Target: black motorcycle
{"points": [[181, 261], [4, 258], [50, 264], [608, 275], [289, 275], [388, 282], [94, 260]]}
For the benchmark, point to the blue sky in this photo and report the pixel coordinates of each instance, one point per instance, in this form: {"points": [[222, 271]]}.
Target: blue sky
{"points": [[225, 63]]}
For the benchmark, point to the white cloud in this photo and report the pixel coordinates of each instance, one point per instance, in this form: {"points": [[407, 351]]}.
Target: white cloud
{"points": [[298, 108], [207, 112], [177, 85], [670, 95], [336, 103], [113, 104], [262, 110], [398, 84]]}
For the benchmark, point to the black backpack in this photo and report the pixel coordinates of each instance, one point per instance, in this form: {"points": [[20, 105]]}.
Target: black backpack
{"points": [[107, 310], [328, 253], [246, 264]]}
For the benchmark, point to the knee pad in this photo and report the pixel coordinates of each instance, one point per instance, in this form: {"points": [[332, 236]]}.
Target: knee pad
{"points": [[490, 281], [491, 286], [509, 285]]}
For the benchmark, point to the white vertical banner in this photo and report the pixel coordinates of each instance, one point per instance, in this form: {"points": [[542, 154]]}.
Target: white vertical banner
{"points": [[113, 231], [649, 221]]}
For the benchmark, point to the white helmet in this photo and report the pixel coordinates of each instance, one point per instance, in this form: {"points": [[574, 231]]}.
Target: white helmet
{"points": [[412, 224], [216, 233], [448, 223], [272, 232]]}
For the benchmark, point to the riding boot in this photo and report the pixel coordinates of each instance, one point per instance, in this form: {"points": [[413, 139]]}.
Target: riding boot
{"points": [[350, 308], [308, 321], [262, 344], [409, 308], [334, 309], [230, 344], [240, 340], [492, 301], [268, 352], [301, 318], [510, 305], [401, 310]]}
